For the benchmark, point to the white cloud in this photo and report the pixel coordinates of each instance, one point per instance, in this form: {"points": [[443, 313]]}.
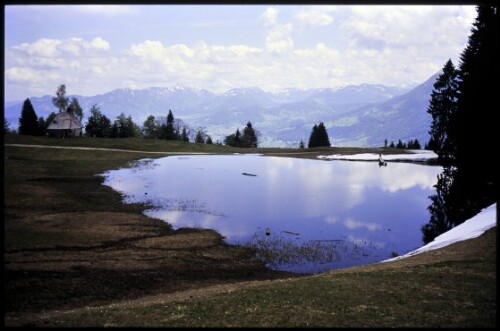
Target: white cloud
{"points": [[315, 15], [374, 44], [278, 38], [270, 15], [403, 26], [100, 43], [56, 48], [29, 75], [107, 10], [43, 47], [353, 224]]}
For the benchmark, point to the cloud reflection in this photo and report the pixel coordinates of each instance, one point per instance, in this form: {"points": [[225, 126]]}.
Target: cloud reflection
{"points": [[353, 224], [318, 200]]}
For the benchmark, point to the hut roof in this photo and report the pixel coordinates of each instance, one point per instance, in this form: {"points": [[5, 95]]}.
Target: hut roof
{"points": [[64, 121]]}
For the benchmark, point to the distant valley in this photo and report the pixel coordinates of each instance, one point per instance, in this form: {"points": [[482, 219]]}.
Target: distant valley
{"points": [[355, 115]]}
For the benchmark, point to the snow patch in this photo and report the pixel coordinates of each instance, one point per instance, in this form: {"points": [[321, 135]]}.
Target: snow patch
{"points": [[472, 228], [416, 155]]}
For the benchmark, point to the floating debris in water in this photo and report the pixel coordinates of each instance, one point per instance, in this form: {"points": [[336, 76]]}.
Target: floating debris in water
{"points": [[247, 174], [268, 231], [290, 232]]}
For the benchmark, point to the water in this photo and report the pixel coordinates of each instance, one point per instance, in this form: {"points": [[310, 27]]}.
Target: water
{"points": [[300, 215]]}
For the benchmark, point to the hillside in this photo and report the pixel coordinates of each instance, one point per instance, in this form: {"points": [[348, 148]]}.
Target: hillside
{"points": [[283, 118]]}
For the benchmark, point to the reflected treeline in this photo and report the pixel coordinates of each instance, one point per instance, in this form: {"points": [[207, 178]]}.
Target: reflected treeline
{"points": [[143, 164], [288, 252], [182, 205]]}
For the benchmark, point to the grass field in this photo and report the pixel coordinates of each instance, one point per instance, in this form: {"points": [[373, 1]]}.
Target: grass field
{"points": [[76, 256]]}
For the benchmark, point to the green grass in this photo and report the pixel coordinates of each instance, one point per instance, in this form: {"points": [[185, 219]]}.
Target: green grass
{"points": [[423, 294], [72, 249]]}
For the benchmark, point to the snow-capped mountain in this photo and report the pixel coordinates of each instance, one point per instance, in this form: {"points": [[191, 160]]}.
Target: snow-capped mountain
{"points": [[360, 115]]}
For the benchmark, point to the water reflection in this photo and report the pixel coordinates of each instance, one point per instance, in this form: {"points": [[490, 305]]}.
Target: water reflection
{"points": [[321, 214]]}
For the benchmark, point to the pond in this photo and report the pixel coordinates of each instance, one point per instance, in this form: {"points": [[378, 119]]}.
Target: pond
{"points": [[300, 215]]}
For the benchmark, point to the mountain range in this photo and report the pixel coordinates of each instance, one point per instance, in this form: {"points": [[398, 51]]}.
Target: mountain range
{"points": [[354, 115]]}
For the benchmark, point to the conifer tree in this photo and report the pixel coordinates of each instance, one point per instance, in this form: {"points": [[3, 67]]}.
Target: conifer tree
{"points": [[237, 138], [98, 125], [169, 131], [41, 127], [28, 122], [442, 107], [476, 123], [249, 137], [184, 134], [468, 182], [200, 137], [324, 140], [319, 136], [6, 128], [313, 138], [416, 145]]}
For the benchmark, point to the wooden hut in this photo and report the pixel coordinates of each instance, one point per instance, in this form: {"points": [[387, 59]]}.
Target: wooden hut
{"points": [[65, 125]]}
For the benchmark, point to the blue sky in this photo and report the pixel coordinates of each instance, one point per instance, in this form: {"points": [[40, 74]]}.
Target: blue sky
{"points": [[94, 49]]}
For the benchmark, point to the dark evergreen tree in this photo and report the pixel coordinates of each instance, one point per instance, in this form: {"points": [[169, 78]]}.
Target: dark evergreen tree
{"points": [[229, 140], [416, 145], [385, 143], [169, 130], [124, 127], [132, 129], [319, 136], [237, 138], [41, 127], [6, 128], [28, 122], [301, 144], [440, 220], [324, 140], [185, 134], [209, 141], [121, 122], [468, 182], [115, 130], [442, 107], [313, 137], [200, 137], [98, 125], [392, 145], [234, 139], [476, 123], [249, 137]]}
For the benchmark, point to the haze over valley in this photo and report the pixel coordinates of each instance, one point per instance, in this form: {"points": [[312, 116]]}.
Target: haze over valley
{"points": [[355, 115]]}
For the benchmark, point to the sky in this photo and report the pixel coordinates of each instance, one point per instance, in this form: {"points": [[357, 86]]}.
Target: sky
{"points": [[94, 49]]}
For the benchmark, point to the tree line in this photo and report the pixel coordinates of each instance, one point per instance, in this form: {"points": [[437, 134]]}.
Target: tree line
{"points": [[411, 144], [463, 107], [98, 125]]}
